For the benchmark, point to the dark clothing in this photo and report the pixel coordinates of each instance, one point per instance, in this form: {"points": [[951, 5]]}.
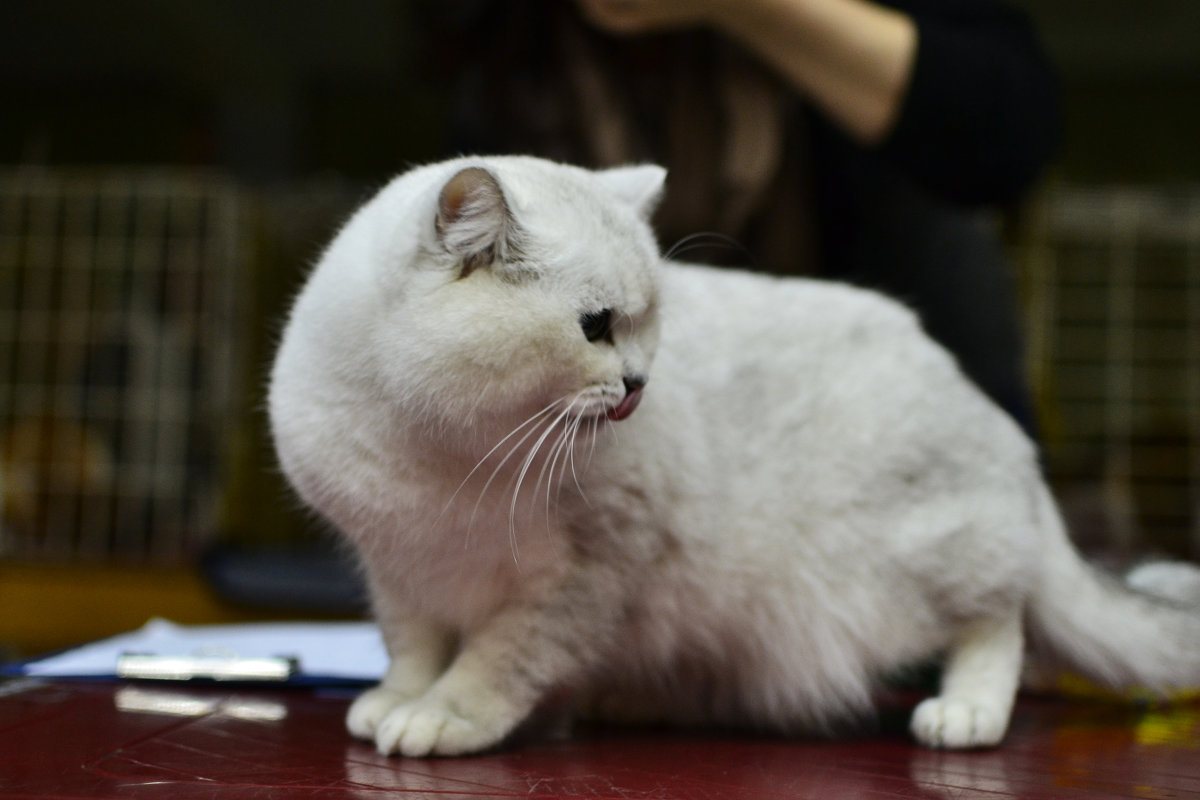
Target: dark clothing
{"points": [[981, 117], [978, 125]]}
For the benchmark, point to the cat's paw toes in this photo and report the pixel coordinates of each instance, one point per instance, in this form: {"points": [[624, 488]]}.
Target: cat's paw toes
{"points": [[369, 709], [954, 724], [429, 728]]}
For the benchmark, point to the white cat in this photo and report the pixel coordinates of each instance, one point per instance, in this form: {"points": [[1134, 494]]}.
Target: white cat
{"points": [[809, 495]]}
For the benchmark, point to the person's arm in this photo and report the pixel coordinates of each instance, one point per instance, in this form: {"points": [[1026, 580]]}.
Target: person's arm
{"points": [[851, 58]]}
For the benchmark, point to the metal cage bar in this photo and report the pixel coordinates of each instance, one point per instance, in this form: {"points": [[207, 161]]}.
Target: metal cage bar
{"points": [[1113, 274], [119, 317]]}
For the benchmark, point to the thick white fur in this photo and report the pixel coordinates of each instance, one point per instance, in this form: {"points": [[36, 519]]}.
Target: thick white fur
{"points": [[810, 494]]}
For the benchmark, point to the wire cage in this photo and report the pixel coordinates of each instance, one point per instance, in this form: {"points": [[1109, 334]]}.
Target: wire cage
{"points": [[1113, 276], [119, 315]]}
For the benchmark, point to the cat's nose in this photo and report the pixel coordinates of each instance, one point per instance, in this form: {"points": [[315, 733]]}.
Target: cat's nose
{"points": [[634, 383]]}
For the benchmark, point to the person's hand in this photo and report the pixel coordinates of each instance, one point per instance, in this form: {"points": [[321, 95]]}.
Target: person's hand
{"points": [[645, 16]]}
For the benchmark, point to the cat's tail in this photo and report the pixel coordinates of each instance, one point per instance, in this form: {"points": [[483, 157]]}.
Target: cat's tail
{"points": [[1142, 634]]}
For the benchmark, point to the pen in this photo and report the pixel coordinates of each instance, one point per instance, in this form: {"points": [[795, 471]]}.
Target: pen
{"points": [[148, 666]]}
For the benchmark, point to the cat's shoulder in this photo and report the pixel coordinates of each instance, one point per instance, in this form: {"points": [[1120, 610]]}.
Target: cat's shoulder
{"points": [[826, 302]]}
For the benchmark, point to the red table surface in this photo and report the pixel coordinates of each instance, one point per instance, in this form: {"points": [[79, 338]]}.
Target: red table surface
{"points": [[75, 740]]}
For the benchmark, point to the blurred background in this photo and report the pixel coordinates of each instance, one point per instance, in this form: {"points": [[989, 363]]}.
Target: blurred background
{"points": [[169, 169]]}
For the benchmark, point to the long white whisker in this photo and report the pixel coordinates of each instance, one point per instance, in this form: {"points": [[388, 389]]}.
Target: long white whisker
{"points": [[562, 474], [708, 239], [540, 418], [548, 470], [548, 466], [595, 425], [497, 446], [520, 480], [561, 443], [683, 243], [536, 430], [574, 472], [512, 509], [612, 433]]}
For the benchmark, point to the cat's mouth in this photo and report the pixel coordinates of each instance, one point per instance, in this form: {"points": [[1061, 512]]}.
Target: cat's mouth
{"points": [[626, 406]]}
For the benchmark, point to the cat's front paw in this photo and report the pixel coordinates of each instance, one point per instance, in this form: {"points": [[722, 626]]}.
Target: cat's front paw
{"points": [[432, 727], [955, 724], [370, 708]]}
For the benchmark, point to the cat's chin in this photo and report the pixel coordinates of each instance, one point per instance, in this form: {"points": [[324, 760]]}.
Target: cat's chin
{"points": [[611, 412], [600, 406]]}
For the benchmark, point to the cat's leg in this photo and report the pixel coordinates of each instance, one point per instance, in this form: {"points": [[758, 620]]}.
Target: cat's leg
{"points": [[979, 685], [418, 653], [503, 672]]}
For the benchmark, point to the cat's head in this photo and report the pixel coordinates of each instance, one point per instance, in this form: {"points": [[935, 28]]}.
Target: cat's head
{"points": [[532, 286]]}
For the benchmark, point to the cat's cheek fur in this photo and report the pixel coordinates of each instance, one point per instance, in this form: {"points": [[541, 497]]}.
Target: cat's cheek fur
{"points": [[461, 358]]}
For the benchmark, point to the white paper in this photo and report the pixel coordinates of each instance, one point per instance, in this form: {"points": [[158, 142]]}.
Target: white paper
{"points": [[351, 651]]}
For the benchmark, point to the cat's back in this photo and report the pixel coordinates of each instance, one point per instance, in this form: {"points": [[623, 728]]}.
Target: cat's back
{"points": [[735, 306], [786, 343], [793, 372]]}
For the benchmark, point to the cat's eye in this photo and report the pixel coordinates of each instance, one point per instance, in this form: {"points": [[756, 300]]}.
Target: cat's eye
{"points": [[596, 325]]}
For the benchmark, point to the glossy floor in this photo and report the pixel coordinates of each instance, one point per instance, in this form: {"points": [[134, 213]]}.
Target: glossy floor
{"points": [[76, 740]]}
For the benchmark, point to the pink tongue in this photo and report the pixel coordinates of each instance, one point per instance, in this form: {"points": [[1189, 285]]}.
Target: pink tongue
{"points": [[627, 406]]}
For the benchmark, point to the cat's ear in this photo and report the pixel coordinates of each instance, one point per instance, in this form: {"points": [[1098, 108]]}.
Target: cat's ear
{"points": [[473, 219], [641, 186]]}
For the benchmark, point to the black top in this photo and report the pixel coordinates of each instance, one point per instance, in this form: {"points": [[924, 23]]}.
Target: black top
{"points": [[981, 117]]}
